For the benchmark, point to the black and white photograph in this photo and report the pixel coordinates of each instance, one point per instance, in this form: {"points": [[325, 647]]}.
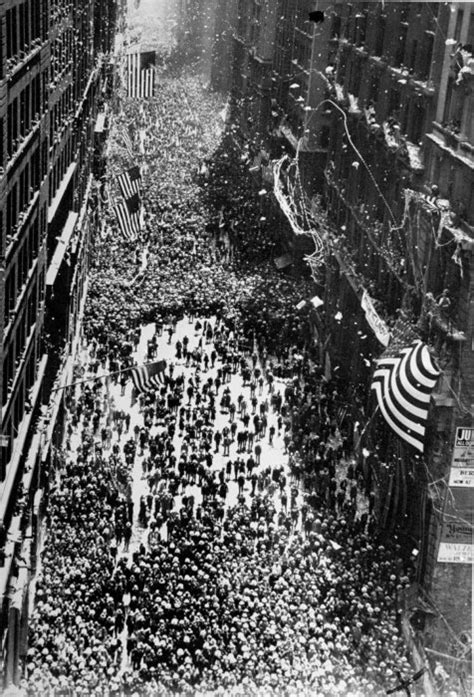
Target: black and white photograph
{"points": [[237, 366]]}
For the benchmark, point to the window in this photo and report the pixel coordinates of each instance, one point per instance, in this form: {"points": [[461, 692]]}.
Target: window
{"points": [[343, 63], [453, 107], [324, 136], [12, 39], [348, 22], [435, 169], [459, 20], [400, 46], [374, 87], [426, 55], [416, 123], [336, 27], [470, 33], [394, 103], [380, 35], [404, 11], [356, 78], [360, 28], [412, 58]]}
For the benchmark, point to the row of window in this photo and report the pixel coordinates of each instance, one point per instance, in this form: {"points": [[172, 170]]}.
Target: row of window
{"points": [[19, 268], [24, 111], [415, 55], [383, 93], [14, 352], [24, 188], [62, 54], [15, 416], [26, 23], [368, 260], [60, 166], [60, 112]]}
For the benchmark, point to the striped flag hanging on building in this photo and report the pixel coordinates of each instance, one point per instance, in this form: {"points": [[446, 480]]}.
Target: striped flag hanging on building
{"points": [[403, 385], [129, 182], [149, 376], [141, 75], [128, 217]]}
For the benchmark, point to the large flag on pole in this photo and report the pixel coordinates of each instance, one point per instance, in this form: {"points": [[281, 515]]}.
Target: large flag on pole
{"points": [[149, 376], [129, 182], [403, 385], [128, 217]]}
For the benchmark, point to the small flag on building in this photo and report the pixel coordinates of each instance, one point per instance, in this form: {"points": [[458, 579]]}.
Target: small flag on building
{"points": [[403, 385], [129, 182], [149, 376], [128, 217], [141, 75]]}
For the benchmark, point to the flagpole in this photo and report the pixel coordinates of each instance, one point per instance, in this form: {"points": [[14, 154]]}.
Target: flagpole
{"points": [[91, 379], [98, 377], [367, 425]]}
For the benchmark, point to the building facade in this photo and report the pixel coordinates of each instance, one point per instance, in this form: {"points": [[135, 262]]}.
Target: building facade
{"points": [[52, 68], [375, 104]]}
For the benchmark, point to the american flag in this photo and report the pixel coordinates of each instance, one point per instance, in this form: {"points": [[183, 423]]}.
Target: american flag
{"points": [[129, 182], [141, 75], [149, 376], [128, 217], [403, 385]]}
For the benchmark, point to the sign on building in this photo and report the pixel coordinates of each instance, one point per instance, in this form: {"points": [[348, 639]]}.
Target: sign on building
{"points": [[462, 464], [375, 322], [456, 544]]}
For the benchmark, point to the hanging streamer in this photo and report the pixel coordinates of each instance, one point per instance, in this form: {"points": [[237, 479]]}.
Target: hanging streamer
{"points": [[292, 201]]}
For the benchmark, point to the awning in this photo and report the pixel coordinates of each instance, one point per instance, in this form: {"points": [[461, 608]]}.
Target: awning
{"points": [[20, 590], [61, 248], [100, 123], [58, 393], [7, 485], [37, 501], [61, 191]]}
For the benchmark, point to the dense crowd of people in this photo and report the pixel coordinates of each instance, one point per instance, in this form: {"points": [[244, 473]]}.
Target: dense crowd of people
{"points": [[232, 571]]}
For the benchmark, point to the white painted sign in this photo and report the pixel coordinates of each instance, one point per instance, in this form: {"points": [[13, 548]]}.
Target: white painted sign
{"points": [[375, 322], [455, 553]]}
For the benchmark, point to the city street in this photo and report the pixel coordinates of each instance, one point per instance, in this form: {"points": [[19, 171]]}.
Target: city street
{"points": [[218, 534], [236, 443], [222, 514]]}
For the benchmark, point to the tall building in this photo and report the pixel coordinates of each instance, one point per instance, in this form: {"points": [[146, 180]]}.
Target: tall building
{"points": [[375, 103], [222, 46], [52, 70], [277, 85], [254, 37], [196, 32]]}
